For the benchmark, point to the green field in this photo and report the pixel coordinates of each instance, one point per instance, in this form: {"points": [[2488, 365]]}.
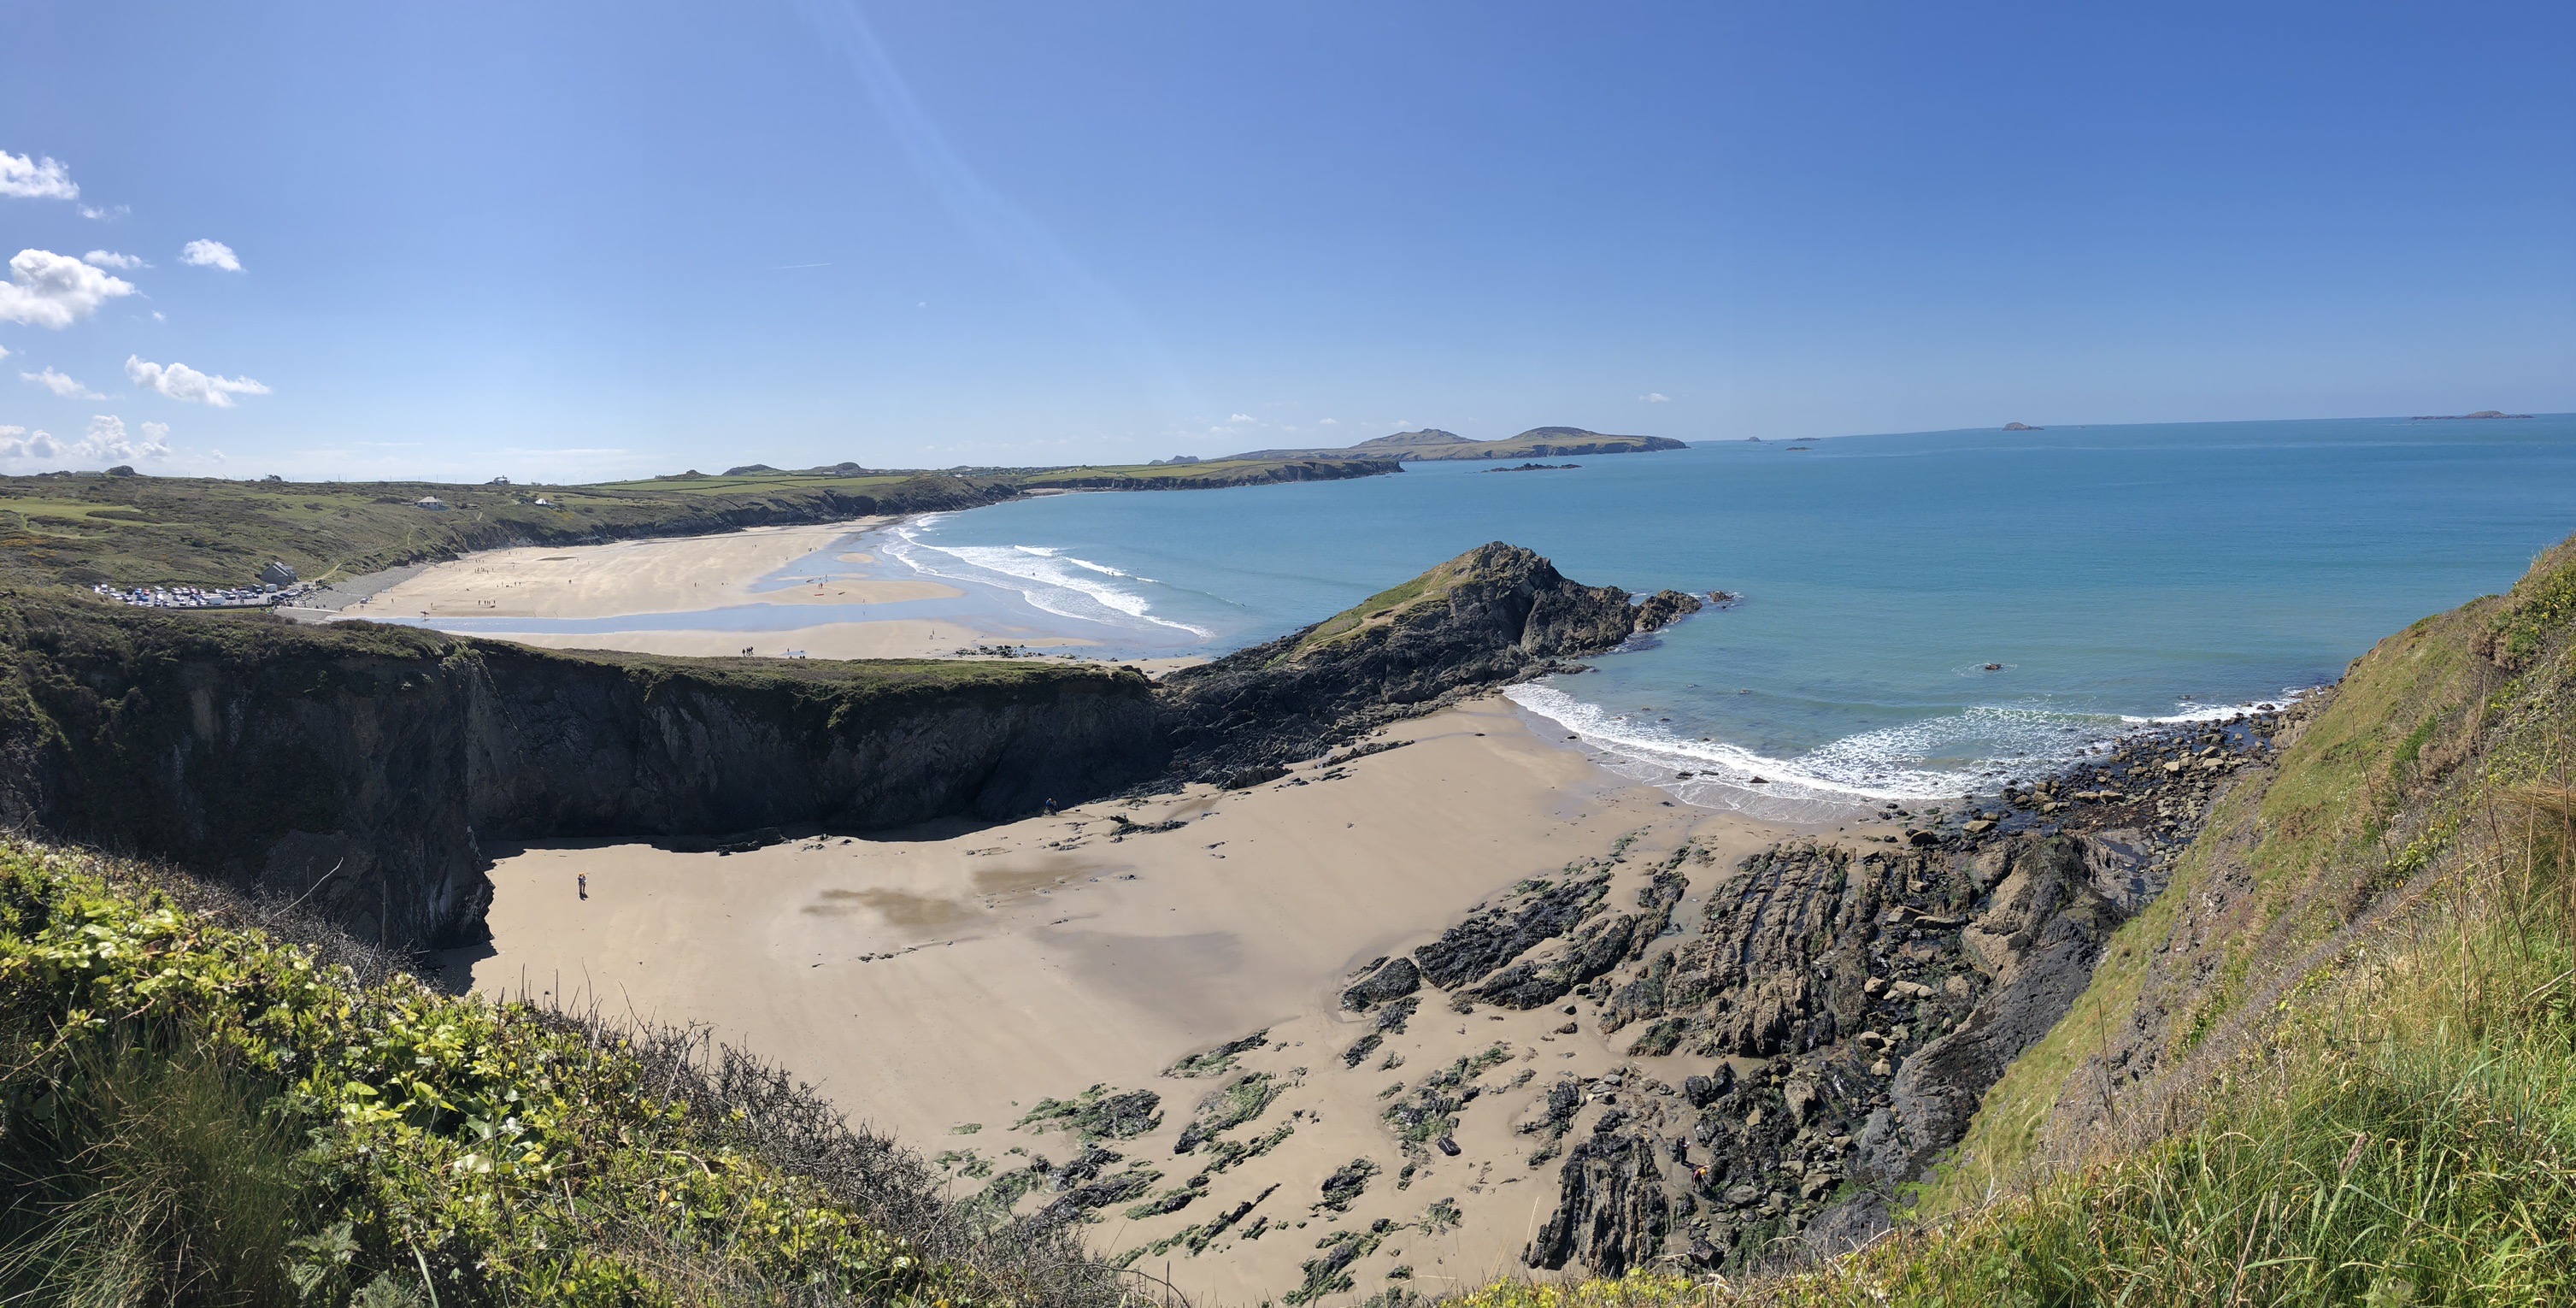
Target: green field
{"points": [[85, 528]]}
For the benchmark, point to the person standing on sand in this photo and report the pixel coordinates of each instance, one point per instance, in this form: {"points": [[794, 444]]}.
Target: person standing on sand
{"points": [[581, 882]]}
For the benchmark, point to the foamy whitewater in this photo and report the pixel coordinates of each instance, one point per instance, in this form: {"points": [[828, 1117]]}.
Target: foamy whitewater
{"points": [[1924, 615]]}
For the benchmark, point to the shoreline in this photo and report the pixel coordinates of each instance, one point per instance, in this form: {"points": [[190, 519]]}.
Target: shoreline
{"points": [[1009, 964], [581, 594]]}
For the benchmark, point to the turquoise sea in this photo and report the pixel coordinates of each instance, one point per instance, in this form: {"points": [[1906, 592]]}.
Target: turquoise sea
{"points": [[2119, 576]]}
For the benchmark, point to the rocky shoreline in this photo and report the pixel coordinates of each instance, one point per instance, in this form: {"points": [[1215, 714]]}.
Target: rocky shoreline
{"points": [[1853, 1004], [1791, 1036]]}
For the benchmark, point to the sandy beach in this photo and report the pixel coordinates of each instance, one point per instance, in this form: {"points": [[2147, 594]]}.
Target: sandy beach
{"points": [[645, 576], [654, 582], [940, 983]]}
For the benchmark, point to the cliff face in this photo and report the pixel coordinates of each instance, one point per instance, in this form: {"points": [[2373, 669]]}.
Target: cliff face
{"points": [[1495, 615], [369, 768]]}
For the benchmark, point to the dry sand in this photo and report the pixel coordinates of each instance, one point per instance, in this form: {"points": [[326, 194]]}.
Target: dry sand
{"points": [[694, 573], [678, 575], [939, 984]]}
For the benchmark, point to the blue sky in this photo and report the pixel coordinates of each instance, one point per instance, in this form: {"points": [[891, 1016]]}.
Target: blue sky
{"points": [[587, 239]]}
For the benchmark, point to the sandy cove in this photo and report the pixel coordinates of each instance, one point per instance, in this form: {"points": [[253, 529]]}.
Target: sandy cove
{"points": [[940, 984], [627, 578], [694, 573]]}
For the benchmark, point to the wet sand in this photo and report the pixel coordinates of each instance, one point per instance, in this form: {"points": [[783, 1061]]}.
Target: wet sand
{"points": [[936, 981], [644, 576], [650, 579]]}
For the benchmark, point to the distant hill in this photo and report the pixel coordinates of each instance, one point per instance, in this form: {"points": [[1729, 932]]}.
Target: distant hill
{"points": [[1431, 443]]}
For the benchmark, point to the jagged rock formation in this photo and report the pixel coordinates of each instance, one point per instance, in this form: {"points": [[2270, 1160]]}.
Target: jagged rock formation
{"points": [[1613, 1214], [1495, 615], [371, 769]]}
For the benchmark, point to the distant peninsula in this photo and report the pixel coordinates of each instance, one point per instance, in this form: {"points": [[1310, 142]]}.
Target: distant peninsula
{"points": [[2464, 417], [2022, 426], [1431, 443]]}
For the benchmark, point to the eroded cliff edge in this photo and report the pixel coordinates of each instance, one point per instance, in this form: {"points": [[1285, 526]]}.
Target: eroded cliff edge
{"points": [[367, 769]]}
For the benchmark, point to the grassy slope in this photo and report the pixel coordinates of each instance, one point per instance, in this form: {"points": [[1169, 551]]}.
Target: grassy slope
{"points": [[197, 531], [80, 530], [1378, 609], [2363, 1029], [1517, 448], [199, 1112]]}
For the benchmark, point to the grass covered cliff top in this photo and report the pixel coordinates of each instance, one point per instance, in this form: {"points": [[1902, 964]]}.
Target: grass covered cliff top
{"points": [[47, 634], [198, 1111], [2335, 1063], [80, 529]]}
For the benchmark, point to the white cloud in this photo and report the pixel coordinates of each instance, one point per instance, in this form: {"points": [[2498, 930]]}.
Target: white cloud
{"points": [[111, 259], [46, 289], [1242, 417], [106, 442], [36, 179], [1656, 397], [19, 443], [209, 254], [4, 351], [111, 212], [181, 382], [1328, 422], [61, 385]]}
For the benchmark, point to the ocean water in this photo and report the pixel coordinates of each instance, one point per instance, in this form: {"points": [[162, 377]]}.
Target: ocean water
{"points": [[2119, 576]]}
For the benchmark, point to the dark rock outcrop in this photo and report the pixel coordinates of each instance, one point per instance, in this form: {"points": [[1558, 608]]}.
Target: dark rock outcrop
{"points": [[1493, 616], [369, 770], [1611, 1212]]}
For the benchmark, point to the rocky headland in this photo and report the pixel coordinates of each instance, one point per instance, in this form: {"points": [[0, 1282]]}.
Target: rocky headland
{"points": [[1491, 617]]}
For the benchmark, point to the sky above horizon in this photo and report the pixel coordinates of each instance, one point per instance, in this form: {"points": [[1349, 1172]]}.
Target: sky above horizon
{"points": [[583, 240]]}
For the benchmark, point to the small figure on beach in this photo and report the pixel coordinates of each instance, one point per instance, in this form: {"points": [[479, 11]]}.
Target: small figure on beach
{"points": [[581, 882], [1050, 808]]}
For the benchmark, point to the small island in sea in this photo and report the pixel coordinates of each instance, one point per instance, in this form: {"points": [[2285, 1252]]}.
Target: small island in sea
{"points": [[2465, 417]]}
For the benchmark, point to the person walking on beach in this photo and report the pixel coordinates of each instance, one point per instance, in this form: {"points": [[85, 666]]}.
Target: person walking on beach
{"points": [[581, 880]]}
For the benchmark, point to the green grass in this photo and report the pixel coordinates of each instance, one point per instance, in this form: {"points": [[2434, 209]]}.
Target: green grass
{"points": [[82, 529], [1378, 610], [198, 1113], [2370, 1097]]}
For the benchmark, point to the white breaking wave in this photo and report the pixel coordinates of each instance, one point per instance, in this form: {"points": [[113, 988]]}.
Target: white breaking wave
{"points": [[1846, 775], [1046, 576]]}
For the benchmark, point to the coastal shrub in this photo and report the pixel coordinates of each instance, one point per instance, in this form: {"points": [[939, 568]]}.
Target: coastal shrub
{"points": [[2390, 1117], [199, 1112]]}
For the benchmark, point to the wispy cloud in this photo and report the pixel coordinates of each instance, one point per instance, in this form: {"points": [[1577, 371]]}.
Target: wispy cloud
{"points": [[210, 254], [111, 212], [1656, 397], [988, 213], [46, 289], [181, 382], [1241, 417], [111, 259], [61, 385], [36, 179]]}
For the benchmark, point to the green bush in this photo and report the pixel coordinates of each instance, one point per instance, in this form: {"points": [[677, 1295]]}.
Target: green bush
{"points": [[199, 1113]]}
